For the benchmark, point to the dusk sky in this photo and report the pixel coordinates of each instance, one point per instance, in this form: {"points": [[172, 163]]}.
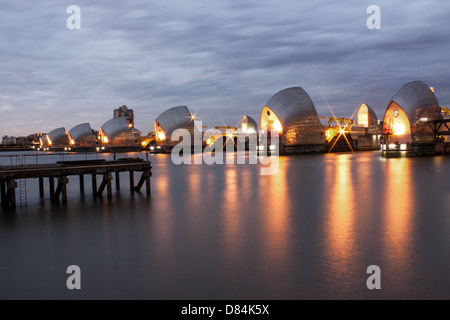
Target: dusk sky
{"points": [[222, 59]]}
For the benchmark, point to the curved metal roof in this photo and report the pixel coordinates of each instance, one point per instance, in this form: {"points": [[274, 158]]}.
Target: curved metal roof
{"points": [[174, 118], [80, 131], [298, 116], [58, 136], [251, 123], [115, 126], [415, 98], [419, 103]]}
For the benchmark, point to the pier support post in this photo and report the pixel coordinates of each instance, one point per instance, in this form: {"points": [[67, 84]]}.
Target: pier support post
{"points": [[41, 187], [82, 183], [51, 183], [61, 189], [3, 194], [12, 185], [106, 183], [117, 180], [145, 178], [94, 184], [132, 180]]}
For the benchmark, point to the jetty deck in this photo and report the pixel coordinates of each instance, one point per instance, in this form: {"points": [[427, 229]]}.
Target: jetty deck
{"points": [[57, 176]]}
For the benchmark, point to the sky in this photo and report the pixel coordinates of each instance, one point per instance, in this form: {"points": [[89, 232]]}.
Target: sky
{"points": [[222, 59]]}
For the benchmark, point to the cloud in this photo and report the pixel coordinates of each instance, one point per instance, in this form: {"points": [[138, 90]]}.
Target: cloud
{"points": [[220, 58]]}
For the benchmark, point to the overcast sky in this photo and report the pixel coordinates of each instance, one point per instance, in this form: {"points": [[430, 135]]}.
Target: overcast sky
{"points": [[223, 59]]}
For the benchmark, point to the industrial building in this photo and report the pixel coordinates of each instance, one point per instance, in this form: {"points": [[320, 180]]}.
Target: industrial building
{"points": [[83, 137], [409, 121], [292, 116], [55, 139], [119, 133], [169, 121]]}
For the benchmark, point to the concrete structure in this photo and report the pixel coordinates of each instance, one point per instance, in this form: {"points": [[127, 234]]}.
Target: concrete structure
{"points": [[292, 115]]}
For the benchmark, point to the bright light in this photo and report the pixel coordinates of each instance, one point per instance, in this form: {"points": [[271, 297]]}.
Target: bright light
{"points": [[342, 131], [161, 136], [105, 139], [193, 117], [72, 142], [399, 129], [158, 147], [49, 141], [392, 146], [403, 147], [277, 126], [261, 148], [272, 148], [130, 125], [152, 148]]}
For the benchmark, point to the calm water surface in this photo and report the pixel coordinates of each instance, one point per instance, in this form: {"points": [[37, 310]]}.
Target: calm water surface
{"points": [[226, 232]]}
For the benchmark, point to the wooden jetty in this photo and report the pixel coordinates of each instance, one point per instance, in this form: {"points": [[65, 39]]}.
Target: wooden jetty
{"points": [[57, 175]]}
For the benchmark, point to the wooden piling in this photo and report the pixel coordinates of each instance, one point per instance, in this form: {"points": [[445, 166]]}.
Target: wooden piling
{"points": [[3, 193], [117, 180], [51, 183], [94, 184], [132, 180], [82, 183], [41, 187], [12, 185]]}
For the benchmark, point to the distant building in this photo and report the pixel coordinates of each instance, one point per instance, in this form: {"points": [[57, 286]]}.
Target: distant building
{"points": [[9, 140], [123, 111]]}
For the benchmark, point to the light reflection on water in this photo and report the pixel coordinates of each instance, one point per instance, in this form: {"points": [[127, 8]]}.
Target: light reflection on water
{"points": [[226, 232]]}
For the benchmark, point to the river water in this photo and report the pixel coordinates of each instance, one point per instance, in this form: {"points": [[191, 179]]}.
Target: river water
{"points": [[227, 232]]}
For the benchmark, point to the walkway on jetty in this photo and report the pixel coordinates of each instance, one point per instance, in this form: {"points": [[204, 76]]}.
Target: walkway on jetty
{"points": [[57, 175]]}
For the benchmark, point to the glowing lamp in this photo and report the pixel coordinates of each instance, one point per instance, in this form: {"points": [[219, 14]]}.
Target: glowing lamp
{"points": [[399, 129], [277, 126], [161, 136]]}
